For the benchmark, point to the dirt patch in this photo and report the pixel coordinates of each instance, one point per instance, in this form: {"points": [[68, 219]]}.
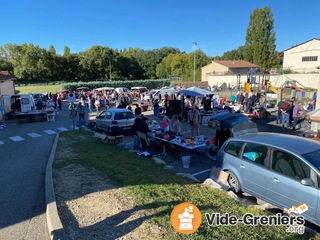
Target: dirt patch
{"points": [[91, 207]]}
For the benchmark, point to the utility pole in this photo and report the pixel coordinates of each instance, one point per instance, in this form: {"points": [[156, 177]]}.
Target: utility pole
{"points": [[194, 60]]}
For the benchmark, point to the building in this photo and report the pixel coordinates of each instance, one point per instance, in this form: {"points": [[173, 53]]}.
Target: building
{"points": [[226, 67], [303, 58], [6, 83]]}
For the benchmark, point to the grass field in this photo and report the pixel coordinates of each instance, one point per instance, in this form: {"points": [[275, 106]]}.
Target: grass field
{"points": [[39, 89], [150, 185]]}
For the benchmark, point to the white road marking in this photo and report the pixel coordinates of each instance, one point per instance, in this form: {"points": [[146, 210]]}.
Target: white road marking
{"points": [[62, 129], [16, 138], [75, 127], [1, 142], [50, 132], [34, 135]]}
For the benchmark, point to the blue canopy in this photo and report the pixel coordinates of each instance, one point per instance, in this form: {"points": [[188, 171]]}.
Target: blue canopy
{"points": [[195, 91]]}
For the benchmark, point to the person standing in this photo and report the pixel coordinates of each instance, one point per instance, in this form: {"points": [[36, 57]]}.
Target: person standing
{"points": [[279, 117], [176, 126], [81, 111], [295, 115], [194, 119], [292, 103], [156, 107], [285, 113], [137, 110], [59, 100]]}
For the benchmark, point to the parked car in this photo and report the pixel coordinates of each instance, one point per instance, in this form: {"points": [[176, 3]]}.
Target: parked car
{"points": [[230, 125], [116, 120], [36, 97], [154, 94], [283, 170]]}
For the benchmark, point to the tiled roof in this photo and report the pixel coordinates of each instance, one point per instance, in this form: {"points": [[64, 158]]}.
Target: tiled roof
{"points": [[236, 63], [4, 72], [4, 75]]}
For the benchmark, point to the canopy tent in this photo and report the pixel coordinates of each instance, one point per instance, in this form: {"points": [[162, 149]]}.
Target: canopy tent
{"points": [[82, 88], [195, 91], [105, 89]]}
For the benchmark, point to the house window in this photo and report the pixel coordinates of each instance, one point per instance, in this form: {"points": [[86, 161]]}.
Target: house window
{"points": [[310, 59]]}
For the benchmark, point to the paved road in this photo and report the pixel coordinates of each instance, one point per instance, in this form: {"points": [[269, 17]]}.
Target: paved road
{"points": [[24, 150]]}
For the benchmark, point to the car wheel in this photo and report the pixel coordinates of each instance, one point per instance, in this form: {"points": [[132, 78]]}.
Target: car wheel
{"points": [[234, 183]]}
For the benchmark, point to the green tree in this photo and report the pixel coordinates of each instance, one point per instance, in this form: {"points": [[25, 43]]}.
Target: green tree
{"points": [[237, 54], [5, 60], [95, 62], [260, 38], [182, 65]]}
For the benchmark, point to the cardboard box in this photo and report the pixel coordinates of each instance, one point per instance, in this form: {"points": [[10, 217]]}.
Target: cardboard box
{"points": [[118, 139]]}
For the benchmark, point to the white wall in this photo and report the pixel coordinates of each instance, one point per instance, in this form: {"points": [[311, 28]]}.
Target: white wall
{"points": [[307, 80], [7, 87], [292, 58]]}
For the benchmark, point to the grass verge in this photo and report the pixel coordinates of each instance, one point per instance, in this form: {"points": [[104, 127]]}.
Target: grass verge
{"points": [[160, 191], [39, 89]]}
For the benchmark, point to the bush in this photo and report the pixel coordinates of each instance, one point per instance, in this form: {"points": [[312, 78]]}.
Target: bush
{"points": [[149, 84]]}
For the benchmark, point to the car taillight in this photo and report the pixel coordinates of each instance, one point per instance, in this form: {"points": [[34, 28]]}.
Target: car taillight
{"points": [[114, 122]]}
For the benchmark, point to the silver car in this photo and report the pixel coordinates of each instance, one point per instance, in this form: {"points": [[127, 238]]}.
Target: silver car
{"points": [[115, 120], [280, 169]]}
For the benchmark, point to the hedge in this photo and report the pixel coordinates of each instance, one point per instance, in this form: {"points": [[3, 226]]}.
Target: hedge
{"points": [[149, 84]]}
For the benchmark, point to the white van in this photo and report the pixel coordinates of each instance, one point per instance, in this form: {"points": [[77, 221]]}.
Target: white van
{"points": [[18, 102], [121, 89], [156, 93]]}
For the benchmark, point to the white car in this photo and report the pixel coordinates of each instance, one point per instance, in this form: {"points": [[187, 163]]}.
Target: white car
{"points": [[116, 120]]}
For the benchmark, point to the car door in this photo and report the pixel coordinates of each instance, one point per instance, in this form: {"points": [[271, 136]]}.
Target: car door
{"points": [[128, 121], [253, 162], [100, 120], [284, 188]]}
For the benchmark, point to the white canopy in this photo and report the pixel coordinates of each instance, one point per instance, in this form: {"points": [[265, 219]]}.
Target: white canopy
{"points": [[105, 89], [195, 91]]}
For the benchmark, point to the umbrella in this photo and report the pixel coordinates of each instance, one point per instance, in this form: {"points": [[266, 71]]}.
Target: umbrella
{"points": [[82, 88], [195, 91]]}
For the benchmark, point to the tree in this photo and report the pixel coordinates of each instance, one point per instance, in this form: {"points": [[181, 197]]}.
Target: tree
{"points": [[260, 38], [237, 54], [181, 65]]}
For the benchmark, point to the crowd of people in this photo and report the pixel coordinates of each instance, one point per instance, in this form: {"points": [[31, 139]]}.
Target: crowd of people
{"points": [[290, 112]]}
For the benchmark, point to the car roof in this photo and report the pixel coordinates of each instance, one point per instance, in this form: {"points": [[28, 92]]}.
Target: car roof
{"points": [[117, 110], [227, 115], [295, 144]]}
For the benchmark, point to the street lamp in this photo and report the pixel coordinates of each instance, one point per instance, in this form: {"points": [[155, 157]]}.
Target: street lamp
{"points": [[194, 61]]}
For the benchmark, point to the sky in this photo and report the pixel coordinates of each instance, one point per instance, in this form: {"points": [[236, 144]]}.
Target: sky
{"points": [[215, 26]]}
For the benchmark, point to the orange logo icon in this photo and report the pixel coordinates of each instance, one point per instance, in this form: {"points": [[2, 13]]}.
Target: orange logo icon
{"points": [[185, 218]]}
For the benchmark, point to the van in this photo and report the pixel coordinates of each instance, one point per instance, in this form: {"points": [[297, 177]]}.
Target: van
{"points": [[154, 94], [121, 90], [18, 102], [140, 89], [280, 169]]}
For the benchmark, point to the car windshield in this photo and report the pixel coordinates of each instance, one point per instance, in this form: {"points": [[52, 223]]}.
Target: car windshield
{"points": [[313, 158]]}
